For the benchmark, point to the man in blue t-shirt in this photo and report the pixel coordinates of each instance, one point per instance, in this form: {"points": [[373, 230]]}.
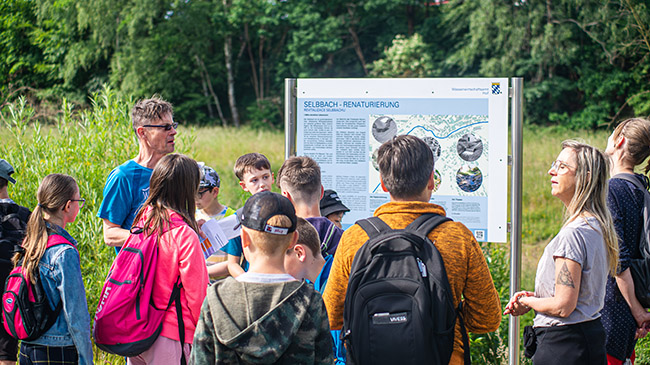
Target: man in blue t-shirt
{"points": [[127, 186]]}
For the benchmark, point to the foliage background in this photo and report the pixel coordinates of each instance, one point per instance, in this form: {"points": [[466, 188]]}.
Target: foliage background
{"points": [[585, 63], [70, 69]]}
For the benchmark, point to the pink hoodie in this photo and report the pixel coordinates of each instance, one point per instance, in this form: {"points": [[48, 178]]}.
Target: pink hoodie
{"points": [[180, 254]]}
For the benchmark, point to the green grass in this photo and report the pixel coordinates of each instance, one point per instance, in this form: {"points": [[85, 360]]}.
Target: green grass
{"points": [[220, 147]]}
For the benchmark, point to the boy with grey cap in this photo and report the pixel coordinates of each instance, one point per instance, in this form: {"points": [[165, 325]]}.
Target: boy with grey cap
{"points": [[13, 223], [263, 315]]}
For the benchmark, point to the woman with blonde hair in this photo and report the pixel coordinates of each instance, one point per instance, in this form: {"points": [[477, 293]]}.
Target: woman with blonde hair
{"points": [[623, 316], [59, 271], [571, 275]]}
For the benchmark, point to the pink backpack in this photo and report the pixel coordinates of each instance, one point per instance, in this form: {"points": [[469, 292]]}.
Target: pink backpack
{"points": [[126, 322], [26, 312]]}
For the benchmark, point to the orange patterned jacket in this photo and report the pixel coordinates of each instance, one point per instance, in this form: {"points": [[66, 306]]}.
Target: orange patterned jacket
{"points": [[466, 267]]}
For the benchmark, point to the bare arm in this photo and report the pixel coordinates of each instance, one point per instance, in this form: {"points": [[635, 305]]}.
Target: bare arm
{"points": [[114, 235], [233, 266], [626, 286], [568, 274], [219, 269]]}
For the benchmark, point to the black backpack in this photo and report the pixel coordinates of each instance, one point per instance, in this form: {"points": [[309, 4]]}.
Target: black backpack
{"points": [[640, 268], [399, 306], [13, 225]]}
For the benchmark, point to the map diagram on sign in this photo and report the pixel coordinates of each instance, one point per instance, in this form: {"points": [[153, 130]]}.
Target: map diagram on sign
{"points": [[459, 144]]}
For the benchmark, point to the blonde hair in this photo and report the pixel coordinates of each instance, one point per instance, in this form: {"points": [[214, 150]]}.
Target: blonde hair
{"points": [[590, 196], [271, 244], [637, 134], [53, 194]]}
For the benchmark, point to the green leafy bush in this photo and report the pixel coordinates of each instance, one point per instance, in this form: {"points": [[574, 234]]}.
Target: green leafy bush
{"points": [[86, 146]]}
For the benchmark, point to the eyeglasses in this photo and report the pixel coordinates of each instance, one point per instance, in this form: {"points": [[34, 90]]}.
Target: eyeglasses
{"points": [[167, 127], [200, 193], [560, 167], [81, 201]]}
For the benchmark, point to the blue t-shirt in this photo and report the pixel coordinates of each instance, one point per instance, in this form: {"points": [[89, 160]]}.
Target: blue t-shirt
{"points": [[127, 187], [234, 248], [319, 285]]}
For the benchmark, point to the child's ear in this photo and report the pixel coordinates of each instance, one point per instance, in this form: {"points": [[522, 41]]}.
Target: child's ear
{"points": [[300, 251], [272, 177], [245, 238], [383, 187], [243, 186]]}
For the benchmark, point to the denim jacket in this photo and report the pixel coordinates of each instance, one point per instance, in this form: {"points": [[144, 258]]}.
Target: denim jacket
{"points": [[60, 274]]}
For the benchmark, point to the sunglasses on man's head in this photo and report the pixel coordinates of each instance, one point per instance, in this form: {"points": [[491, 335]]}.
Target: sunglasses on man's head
{"points": [[167, 127]]}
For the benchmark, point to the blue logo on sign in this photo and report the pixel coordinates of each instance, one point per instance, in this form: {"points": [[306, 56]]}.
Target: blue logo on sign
{"points": [[496, 88]]}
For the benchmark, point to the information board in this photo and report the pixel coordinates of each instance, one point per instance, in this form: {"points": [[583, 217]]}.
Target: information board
{"points": [[342, 122]]}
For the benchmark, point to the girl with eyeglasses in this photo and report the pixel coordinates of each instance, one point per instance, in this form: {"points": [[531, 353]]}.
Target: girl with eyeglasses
{"points": [[58, 268], [624, 318], [571, 275]]}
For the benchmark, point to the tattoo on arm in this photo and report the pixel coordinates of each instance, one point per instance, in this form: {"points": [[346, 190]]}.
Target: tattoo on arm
{"points": [[564, 277]]}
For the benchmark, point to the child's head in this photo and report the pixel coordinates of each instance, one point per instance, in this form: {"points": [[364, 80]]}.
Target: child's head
{"points": [[332, 207], [268, 223], [299, 177], [173, 185], [254, 172], [5, 173], [302, 254], [208, 192], [58, 202]]}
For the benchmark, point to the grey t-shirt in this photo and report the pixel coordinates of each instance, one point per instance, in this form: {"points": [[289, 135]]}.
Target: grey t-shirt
{"points": [[580, 241]]}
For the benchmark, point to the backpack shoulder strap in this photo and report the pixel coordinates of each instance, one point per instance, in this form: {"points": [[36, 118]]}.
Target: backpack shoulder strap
{"points": [[632, 179], [373, 226], [427, 223]]}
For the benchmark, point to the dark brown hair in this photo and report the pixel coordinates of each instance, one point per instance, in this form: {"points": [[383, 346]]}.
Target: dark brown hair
{"points": [[250, 161], [405, 165], [173, 185], [300, 175], [307, 236]]}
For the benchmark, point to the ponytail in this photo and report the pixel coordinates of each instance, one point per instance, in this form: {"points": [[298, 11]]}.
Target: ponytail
{"points": [[54, 192]]}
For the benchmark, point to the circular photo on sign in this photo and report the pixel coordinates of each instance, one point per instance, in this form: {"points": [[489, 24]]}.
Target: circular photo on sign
{"points": [[384, 128], [434, 145], [437, 179], [374, 159], [469, 147], [469, 179]]}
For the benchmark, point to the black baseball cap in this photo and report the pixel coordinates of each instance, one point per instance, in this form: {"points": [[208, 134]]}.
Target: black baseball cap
{"points": [[331, 203], [6, 170], [260, 207]]}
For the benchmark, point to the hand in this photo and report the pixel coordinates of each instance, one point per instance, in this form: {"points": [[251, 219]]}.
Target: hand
{"points": [[200, 223], [642, 318], [515, 307]]}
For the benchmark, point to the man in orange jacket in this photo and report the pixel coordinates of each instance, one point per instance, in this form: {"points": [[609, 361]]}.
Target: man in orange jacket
{"points": [[407, 174]]}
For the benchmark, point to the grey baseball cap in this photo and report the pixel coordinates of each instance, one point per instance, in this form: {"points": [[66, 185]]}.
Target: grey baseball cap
{"points": [[5, 170]]}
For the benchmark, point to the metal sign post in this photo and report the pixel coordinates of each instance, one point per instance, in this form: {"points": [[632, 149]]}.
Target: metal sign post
{"points": [[517, 114]]}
